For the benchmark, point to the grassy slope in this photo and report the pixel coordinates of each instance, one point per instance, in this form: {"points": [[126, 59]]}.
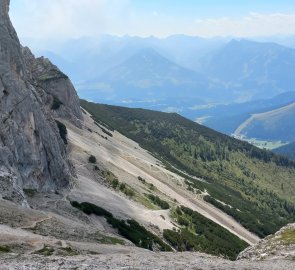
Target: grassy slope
{"points": [[257, 184]]}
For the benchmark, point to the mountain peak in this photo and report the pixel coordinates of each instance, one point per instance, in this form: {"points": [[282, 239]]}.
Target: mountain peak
{"points": [[4, 7], [148, 51]]}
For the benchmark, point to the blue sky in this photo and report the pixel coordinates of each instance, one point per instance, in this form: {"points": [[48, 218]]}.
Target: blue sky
{"points": [[65, 19]]}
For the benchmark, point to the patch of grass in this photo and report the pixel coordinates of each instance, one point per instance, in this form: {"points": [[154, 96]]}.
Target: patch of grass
{"points": [[116, 184], [45, 251], [288, 237], [67, 251], [62, 131], [30, 192], [130, 229], [104, 239]]}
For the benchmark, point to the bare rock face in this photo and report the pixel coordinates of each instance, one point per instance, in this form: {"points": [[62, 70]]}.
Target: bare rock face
{"points": [[33, 92], [280, 246], [60, 95]]}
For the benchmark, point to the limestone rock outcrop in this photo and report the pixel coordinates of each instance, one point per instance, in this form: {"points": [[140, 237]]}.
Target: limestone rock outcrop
{"points": [[33, 93], [280, 245]]}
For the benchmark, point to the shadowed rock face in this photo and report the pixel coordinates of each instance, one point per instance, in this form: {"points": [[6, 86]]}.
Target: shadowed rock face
{"points": [[32, 153]]}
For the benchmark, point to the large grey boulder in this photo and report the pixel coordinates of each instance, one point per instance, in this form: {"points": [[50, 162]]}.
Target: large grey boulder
{"points": [[32, 153]]}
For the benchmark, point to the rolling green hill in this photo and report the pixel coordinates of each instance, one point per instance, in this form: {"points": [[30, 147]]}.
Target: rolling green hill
{"points": [[254, 186]]}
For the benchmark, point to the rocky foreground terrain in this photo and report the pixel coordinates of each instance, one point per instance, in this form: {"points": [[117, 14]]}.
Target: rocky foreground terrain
{"points": [[45, 145], [138, 259]]}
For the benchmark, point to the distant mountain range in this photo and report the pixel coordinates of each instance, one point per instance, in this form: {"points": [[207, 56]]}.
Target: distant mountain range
{"points": [[148, 75], [227, 118], [218, 82], [241, 70], [252, 70]]}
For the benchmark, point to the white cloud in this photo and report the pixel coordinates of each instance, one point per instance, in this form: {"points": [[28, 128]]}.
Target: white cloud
{"points": [[255, 24], [66, 18]]}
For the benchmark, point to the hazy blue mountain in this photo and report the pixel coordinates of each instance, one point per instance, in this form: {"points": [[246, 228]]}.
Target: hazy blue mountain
{"points": [[227, 118], [91, 57], [147, 75], [251, 69], [287, 150], [273, 125], [284, 40], [246, 69], [219, 82]]}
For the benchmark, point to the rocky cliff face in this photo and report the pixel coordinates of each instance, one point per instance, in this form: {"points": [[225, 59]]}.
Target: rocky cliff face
{"points": [[33, 92], [281, 245]]}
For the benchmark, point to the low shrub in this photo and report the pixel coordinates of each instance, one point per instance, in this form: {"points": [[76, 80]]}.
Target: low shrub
{"points": [[157, 201], [4, 249], [45, 251], [92, 159], [115, 183], [30, 192]]}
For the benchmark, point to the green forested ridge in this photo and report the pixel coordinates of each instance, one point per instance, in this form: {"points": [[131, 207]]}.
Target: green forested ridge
{"points": [[257, 185], [286, 150], [198, 233]]}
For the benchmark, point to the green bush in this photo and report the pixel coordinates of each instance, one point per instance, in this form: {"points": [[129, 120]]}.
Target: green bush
{"points": [[106, 132], [157, 201], [30, 192], [122, 186], [4, 249], [141, 179], [115, 183], [92, 159]]}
